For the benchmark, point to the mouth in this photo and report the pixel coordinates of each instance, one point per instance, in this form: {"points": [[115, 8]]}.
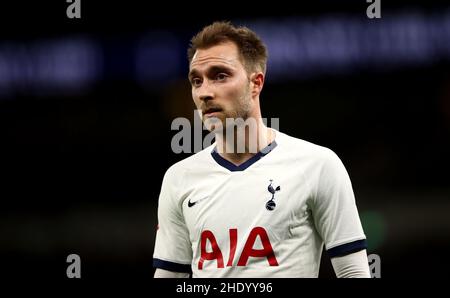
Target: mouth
{"points": [[210, 112]]}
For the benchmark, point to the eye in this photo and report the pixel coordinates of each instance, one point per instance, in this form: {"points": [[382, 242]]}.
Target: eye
{"points": [[221, 76], [196, 82]]}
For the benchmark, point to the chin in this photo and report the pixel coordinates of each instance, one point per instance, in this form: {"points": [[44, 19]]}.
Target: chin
{"points": [[213, 124]]}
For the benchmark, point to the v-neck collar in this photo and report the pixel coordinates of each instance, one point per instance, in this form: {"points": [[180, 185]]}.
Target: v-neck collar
{"points": [[234, 168]]}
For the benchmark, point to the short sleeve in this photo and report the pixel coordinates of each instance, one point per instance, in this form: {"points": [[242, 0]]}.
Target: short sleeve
{"points": [[334, 209], [172, 245]]}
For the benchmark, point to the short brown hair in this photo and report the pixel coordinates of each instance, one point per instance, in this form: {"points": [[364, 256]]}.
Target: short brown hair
{"points": [[250, 46]]}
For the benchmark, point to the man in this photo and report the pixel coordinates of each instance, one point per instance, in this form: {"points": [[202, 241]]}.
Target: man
{"points": [[225, 212]]}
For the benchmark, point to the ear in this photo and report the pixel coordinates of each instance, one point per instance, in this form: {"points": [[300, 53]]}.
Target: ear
{"points": [[257, 79]]}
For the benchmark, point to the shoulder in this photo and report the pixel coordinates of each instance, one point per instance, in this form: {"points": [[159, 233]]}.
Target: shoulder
{"points": [[302, 149], [181, 174], [201, 159]]}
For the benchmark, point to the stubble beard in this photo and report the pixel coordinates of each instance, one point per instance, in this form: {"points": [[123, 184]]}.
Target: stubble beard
{"points": [[243, 110]]}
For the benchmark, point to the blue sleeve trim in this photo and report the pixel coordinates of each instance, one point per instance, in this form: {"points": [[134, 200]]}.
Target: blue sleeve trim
{"points": [[347, 248], [175, 267]]}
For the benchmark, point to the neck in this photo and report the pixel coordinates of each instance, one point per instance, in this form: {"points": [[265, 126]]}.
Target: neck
{"points": [[239, 143]]}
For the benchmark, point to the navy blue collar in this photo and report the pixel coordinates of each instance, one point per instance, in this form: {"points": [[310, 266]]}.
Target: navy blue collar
{"points": [[234, 168]]}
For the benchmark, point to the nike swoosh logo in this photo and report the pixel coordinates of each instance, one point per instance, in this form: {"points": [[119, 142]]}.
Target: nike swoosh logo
{"points": [[190, 204]]}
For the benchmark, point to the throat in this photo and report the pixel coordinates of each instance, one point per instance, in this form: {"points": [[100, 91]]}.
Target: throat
{"points": [[237, 158], [240, 150]]}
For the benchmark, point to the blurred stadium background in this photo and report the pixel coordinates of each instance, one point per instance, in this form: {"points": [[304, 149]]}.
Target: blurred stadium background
{"points": [[86, 107]]}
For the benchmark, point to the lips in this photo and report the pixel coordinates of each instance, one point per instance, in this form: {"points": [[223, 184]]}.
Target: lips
{"points": [[211, 110]]}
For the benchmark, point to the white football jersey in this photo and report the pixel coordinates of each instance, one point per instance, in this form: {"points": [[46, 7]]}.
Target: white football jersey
{"points": [[268, 217]]}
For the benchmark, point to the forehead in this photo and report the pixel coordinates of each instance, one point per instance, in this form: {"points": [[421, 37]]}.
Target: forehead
{"points": [[225, 53]]}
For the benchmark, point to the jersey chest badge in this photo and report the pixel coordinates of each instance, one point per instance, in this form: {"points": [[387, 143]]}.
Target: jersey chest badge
{"points": [[270, 205]]}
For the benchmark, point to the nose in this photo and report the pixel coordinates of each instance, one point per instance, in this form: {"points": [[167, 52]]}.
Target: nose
{"points": [[205, 93], [206, 97]]}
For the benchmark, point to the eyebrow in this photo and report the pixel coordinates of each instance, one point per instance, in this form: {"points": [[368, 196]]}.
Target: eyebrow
{"points": [[212, 69]]}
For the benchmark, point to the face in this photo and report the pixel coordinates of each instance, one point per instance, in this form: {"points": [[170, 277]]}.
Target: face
{"points": [[221, 87]]}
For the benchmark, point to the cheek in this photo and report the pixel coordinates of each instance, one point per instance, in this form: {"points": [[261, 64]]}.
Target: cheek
{"points": [[240, 94], [195, 98], [234, 92]]}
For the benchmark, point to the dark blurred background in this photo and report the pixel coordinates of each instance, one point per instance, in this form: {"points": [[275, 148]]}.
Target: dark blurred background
{"points": [[86, 107]]}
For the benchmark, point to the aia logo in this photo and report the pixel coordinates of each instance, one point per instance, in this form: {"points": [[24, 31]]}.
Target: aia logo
{"points": [[270, 205], [216, 253]]}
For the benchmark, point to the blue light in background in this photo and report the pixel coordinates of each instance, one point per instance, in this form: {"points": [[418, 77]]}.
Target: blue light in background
{"points": [[308, 47], [159, 58], [299, 48], [49, 67]]}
